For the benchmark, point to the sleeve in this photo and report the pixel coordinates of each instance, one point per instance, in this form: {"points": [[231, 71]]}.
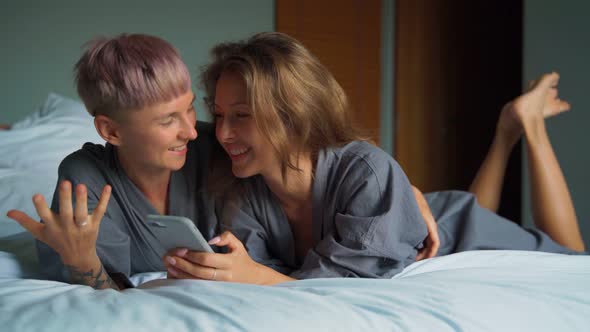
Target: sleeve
{"points": [[376, 228], [237, 215], [113, 245]]}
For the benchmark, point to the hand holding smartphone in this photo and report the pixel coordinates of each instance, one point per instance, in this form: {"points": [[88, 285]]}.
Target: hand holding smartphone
{"points": [[177, 232]]}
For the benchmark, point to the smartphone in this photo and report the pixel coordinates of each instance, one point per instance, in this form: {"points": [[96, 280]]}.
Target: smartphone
{"points": [[177, 232]]}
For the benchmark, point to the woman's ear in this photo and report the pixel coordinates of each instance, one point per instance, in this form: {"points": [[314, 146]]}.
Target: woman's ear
{"points": [[108, 129]]}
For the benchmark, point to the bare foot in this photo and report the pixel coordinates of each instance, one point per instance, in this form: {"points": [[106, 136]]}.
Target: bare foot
{"points": [[539, 102]]}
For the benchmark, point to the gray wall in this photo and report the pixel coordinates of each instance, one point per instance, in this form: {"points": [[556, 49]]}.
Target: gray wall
{"points": [[41, 40], [557, 37]]}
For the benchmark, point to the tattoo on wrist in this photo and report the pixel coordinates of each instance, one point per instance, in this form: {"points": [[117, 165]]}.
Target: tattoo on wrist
{"points": [[98, 280]]}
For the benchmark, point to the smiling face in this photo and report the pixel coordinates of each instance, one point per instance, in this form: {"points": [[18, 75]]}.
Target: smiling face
{"points": [[154, 139], [236, 129]]}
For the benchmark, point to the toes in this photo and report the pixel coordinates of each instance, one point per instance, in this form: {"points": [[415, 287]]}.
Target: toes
{"points": [[549, 80], [564, 106], [558, 107]]}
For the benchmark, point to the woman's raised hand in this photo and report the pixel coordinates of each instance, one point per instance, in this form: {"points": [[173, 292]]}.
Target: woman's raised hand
{"points": [[73, 232]]}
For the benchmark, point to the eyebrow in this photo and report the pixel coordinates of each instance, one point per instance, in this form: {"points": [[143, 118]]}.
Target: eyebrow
{"points": [[172, 112]]}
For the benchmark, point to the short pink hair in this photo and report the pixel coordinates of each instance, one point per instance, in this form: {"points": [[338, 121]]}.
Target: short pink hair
{"points": [[129, 72]]}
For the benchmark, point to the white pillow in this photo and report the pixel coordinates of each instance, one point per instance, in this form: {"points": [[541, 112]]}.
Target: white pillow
{"points": [[55, 108], [32, 150]]}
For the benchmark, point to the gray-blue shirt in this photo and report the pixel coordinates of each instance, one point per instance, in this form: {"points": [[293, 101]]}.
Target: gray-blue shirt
{"points": [[125, 244], [365, 220]]}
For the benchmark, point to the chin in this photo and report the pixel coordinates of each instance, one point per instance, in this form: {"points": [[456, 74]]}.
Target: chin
{"points": [[175, 166], [174, 169], [242, 173]]}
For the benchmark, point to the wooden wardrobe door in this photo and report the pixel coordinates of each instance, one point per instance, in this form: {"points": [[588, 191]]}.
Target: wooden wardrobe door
{"points": [[345, 35]]}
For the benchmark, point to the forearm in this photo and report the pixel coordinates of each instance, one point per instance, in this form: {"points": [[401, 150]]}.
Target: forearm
{"points": [[89, 272], [271, 277], [550, 195], [487, 184]]}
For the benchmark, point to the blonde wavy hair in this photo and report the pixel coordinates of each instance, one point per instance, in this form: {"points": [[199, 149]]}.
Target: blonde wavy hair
{"points": [[295, 101]]}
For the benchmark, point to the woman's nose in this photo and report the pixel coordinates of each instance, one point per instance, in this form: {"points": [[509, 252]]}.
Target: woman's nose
{"points": [[224, 129], [188, 127]]}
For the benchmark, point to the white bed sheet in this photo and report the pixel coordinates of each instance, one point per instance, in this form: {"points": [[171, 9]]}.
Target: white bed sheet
{"points": [[472, 291]]}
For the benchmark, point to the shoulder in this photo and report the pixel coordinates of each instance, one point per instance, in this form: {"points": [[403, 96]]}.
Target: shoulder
{"points": [[362, 177], [90, 155], [361, 159], [362, 152], [87, 165]]}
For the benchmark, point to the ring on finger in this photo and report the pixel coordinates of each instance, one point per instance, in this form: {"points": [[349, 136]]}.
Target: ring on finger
{"points": [[214, 274], [82, 223]]}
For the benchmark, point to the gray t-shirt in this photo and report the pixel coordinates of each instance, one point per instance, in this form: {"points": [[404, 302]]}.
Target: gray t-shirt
{"points": [[125, 243], [365, 220]]}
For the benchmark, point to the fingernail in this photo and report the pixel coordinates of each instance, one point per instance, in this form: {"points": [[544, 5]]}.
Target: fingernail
{"points": [[172, 272], [181, 252], [214, 240], [171, 260]]}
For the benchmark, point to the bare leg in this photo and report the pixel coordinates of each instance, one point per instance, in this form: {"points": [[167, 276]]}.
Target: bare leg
{"points": [[487, 185], [553, 210]]}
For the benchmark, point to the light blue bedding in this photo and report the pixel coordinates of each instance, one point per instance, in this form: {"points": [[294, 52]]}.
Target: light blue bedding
{"points": [[471, 291]]}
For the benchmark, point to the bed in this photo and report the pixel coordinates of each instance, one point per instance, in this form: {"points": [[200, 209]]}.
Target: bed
{"points": [[471, 291]]}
